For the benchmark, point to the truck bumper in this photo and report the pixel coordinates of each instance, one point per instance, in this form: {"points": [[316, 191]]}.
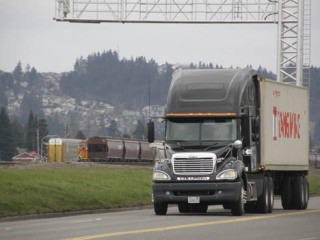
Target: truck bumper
{"points": [[210, 193]]}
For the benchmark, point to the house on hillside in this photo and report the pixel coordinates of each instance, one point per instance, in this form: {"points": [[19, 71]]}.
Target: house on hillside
{"points": [[25, 157]]}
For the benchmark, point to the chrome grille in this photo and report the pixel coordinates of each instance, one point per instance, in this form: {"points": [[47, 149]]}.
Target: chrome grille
{"points": [[193, 164]]}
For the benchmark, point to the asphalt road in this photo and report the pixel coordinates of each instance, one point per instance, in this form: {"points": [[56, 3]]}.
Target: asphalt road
{"points": [[217, 224]]}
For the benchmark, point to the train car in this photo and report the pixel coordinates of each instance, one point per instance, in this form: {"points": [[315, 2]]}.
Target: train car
{"points": [[82, 151], [132, 150], [63, 150], [115, 150], [55, 150], [97, 149], [70, 149], [103, 149]]}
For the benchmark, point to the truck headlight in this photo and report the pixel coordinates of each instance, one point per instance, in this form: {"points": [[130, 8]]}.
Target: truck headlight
{"points": [[160, 175], [229, 174]]}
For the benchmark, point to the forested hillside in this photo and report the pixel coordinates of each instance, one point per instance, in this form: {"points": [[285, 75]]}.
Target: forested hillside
{"points": [[26, 85], [123, 83], [106, 95]]}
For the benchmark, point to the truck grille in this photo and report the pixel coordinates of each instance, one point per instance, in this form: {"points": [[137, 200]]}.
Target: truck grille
{"points": [[193, 163]]}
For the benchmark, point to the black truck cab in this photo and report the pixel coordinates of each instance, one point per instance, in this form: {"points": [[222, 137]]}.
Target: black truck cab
{"points": [[208, 114]]}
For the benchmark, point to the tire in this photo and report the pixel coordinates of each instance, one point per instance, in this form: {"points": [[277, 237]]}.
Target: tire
{"points": [[298, 193], [263, 203], [286, 193], [306, 187], [237, 208], [160, 208], [271, 194]]}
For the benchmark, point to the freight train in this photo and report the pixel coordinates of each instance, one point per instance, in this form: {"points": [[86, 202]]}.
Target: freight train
{"points": [[100, 149]]}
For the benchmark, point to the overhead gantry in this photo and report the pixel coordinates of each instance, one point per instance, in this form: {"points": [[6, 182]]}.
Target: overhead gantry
{"points": [[293, 18]]}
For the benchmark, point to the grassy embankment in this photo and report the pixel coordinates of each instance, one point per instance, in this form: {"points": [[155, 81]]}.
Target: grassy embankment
{"points": [[314, 185], [50, 190], [35, 191]]}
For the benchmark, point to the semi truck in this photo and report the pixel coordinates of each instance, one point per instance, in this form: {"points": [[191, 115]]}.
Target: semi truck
{"points": [[232, 138]]}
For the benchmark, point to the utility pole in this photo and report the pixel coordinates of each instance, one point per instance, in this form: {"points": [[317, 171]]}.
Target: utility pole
{"points": [[38, 142]]}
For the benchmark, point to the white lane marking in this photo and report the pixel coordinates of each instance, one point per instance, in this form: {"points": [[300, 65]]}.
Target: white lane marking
{"points": [[87, 220], [311, 238]]}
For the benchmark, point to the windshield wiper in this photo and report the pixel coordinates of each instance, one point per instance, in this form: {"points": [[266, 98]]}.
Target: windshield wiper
{"points": [[211, 146], [176, 145], [218, 144], [179, 146]]}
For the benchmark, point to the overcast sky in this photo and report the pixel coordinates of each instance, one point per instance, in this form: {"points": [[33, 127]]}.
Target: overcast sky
{"points": [[29, 34]]}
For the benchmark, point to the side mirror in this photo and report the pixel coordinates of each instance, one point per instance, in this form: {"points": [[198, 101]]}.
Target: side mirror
{"points": [[150, 126], [256, 125], [237, 144]]}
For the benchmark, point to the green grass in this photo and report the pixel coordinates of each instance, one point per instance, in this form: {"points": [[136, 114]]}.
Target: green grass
{"points": [[63, 189], [68, 189], [314, 185]]}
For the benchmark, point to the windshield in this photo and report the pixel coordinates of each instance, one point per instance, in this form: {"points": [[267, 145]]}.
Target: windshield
{"points": [[201, 130]]}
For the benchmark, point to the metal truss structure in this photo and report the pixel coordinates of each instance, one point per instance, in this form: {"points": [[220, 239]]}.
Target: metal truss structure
{"points": [[294, 34], [292, 16]]}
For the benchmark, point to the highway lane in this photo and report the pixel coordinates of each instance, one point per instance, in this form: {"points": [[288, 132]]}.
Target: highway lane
{"points": [[143, 225]]}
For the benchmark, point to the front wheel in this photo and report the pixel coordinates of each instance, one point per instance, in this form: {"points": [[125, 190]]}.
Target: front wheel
{"points": [[237, 208], [160, 208]]}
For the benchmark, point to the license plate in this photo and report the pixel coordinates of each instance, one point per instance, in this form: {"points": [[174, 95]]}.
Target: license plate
{"points": [[193, 200]]}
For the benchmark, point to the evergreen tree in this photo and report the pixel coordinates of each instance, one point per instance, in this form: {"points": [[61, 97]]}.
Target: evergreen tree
{"points": [[43, 129], [112, 130], [3, 98], [126, 134], [35, 131], [102, 128], [104, 77], [140, 131], [27, 68], [30, 102], [31, 132], [17, 72], [7, 145], [33, 74], [80, 135], [18, 133]]}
